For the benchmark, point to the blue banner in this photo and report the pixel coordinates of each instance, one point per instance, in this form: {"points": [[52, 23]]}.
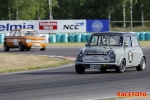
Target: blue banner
{"points": [[97, 25]]}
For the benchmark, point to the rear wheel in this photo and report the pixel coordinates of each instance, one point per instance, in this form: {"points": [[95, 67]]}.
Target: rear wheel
{"points": [[79, 69], [21, 47], [43, 49], [5, 47], [121, 67], [142, 64], [28, 48]]}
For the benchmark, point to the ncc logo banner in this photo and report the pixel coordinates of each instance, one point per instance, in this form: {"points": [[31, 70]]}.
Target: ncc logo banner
{"points": [[97, 25]]}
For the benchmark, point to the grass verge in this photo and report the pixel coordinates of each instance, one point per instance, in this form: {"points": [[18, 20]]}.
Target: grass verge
{"points": [[145, 43], [22, 62], [82, 44], [66, 44]]}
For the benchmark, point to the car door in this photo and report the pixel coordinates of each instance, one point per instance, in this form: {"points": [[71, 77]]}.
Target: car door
{"points": [[129, 51], [17, 38], [137, 50], [10, 38]]}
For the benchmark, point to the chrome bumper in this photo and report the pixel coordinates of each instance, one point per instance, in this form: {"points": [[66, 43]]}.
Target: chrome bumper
{"points": [[89, 63]]}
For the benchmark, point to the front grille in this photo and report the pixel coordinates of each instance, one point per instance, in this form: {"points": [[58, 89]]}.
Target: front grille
{"points": [[95, 54], [36, 41], [95, 58]]}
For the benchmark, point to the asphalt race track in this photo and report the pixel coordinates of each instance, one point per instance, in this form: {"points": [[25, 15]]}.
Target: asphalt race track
{"points": [[63, 83]]}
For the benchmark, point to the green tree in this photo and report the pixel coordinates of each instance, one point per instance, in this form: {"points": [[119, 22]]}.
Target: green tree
{"points": [[4, 9]]}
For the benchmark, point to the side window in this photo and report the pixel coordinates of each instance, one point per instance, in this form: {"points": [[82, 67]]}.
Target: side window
{"points": [[135, 42], [104, 40], [17, 33], [113, 40], [128, 40], [12, 33], [116, 40], [94, 40]]}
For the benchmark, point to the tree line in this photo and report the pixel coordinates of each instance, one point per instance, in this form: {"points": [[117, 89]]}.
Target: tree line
{"points": [[115, 10]]}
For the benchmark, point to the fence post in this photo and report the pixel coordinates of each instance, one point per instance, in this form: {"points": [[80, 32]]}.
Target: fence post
{"points": [[131, 14]]}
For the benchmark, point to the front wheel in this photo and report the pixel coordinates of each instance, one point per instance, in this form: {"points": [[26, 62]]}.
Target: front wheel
{"points": [[5, 47], [121, 67], [21, 47], [79, 69], [103, 69], [142, 64]]}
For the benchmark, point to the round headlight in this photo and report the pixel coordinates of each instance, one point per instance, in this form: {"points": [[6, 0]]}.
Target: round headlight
{"points": [[44, 41], [111, 53], [80, 52]]}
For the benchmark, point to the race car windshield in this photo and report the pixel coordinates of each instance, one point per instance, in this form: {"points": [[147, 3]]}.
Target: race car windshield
{"points": [[29, 33], [111, 40]]}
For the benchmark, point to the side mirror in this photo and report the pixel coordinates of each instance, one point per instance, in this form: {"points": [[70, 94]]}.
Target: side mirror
{"points": [[126, 43]]}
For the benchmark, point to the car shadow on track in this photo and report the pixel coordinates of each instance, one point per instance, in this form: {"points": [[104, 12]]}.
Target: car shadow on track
{"points": [[50, 73], [73, 72], [18, 51], [107, 72]]}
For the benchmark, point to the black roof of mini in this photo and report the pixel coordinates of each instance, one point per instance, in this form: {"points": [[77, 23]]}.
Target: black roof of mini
{"points": [[114, 33]]}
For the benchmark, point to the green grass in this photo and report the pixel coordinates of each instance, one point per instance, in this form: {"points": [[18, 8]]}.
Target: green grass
{"points": [[145, 43], [66, 44], [142, 43], [82, 44], [24, 62], [128, 29], [62, 44]]}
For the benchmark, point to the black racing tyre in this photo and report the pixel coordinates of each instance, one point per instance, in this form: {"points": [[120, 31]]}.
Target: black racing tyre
{"points": [[28, 48], [5, 47], [142, 64], [43, 49], [103, 69], [21, 47], [121, 67], [79, 69]]}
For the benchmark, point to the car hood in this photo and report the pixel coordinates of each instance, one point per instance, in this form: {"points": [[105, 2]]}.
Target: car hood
{"points": [[33, 37], [99, 49], [26, 37]]}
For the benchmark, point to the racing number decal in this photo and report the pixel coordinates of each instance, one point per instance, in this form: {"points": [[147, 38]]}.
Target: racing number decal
{"points": [[130, 56], [15, 42]]}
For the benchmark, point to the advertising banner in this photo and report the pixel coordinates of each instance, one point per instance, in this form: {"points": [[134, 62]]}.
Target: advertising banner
{"points": [[45, 26], [56, 26], [97, 25], [72, 25], [7, 26]]}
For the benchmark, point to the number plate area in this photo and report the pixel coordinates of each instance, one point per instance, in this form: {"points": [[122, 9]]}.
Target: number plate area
{"points": [[95, 66], [36, 45]]}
